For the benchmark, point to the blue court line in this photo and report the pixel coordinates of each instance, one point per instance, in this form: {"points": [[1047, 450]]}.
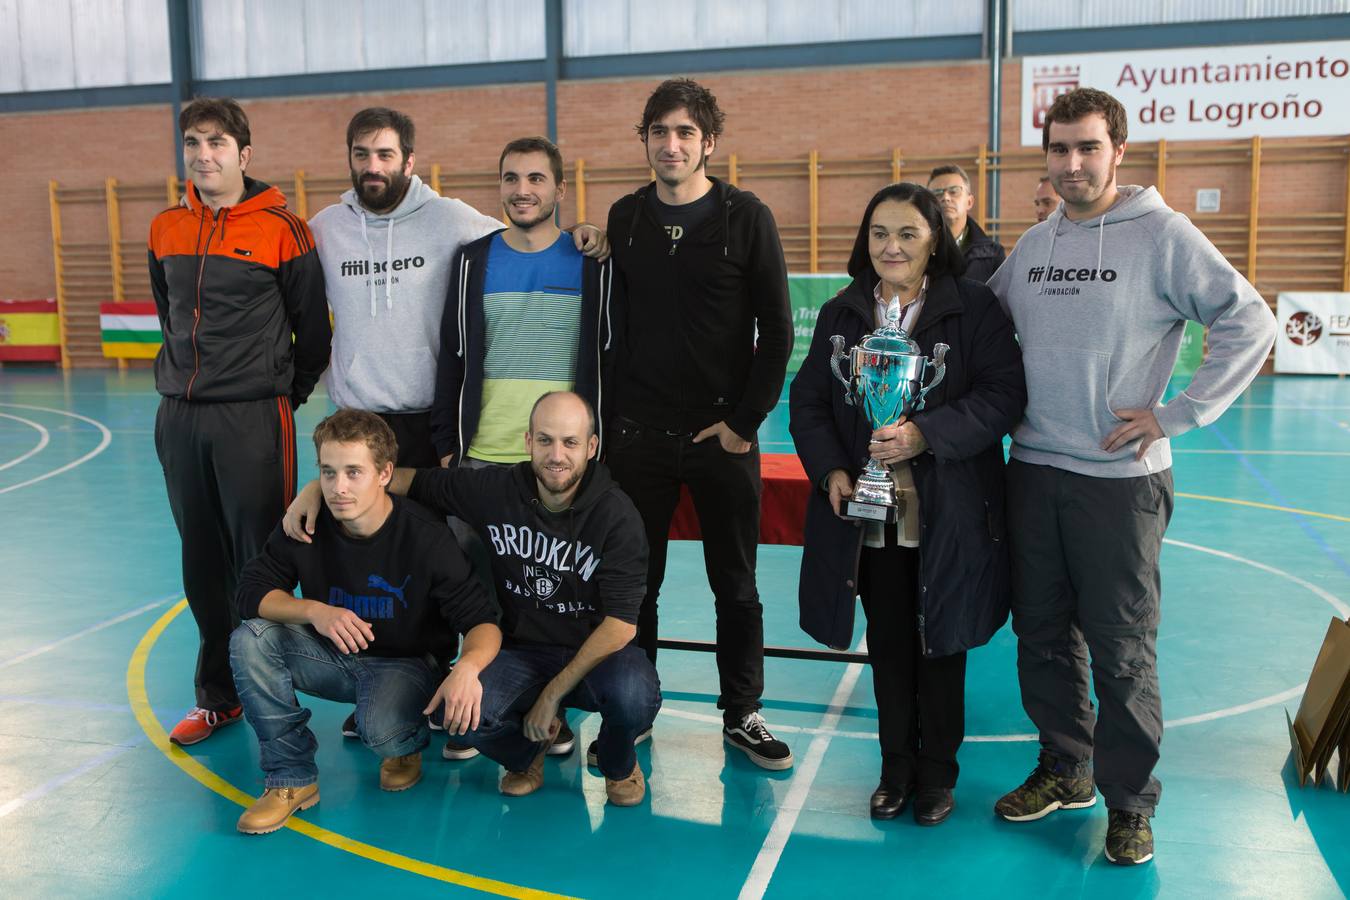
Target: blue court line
{"points": [[62, 703], [1279, 498]]}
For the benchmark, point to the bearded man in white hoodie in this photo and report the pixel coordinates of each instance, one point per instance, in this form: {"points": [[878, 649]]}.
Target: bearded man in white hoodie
{"points": [[386, 251], [1100, 294]]}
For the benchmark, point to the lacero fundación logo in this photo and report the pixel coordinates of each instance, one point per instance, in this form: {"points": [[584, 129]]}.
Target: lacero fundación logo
{"points": [[1303, 329]]}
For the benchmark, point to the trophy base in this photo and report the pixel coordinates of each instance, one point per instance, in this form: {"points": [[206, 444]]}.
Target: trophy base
{"points": [[870, 512]]}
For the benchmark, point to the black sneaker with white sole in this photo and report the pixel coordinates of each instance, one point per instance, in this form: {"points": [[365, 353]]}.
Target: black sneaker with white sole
{"points": [[593, 760], [349, 727], [752, 737]]}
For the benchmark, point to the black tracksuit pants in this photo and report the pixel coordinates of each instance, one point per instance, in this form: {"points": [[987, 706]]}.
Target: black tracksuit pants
{"points": [[650, 465], [413, 432], [921, 701], [230, 472], [1087, 597]]}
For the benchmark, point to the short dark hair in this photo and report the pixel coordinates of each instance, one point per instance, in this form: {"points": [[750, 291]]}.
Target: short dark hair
{"points": [[590, 410], [356, 426], [224, 112], [683, 93], [534, 145], [1081, 102], [947, 258], [949, 169], [378, 118]]}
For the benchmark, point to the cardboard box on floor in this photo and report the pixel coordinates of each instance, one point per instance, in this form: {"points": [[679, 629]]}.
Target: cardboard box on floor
{"points": [[1323, 720]]}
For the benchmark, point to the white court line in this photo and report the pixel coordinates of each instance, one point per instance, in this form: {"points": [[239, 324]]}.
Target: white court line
{"points": [[1176, 451], [59, 781], [785, 818], [44, 437], [102, 445], [1335, 602], [106, 623]]}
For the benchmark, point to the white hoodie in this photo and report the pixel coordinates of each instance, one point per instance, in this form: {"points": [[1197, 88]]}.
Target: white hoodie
{"points": [[387, 278], [1099, 307]]}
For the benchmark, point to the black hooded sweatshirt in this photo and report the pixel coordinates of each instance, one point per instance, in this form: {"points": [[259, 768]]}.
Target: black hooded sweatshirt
{"points": [[557, 575], [685, 318]]}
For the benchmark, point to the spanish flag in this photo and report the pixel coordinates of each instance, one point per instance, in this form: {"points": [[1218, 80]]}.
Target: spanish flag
{"points": [[130, 330], [30, 331]]}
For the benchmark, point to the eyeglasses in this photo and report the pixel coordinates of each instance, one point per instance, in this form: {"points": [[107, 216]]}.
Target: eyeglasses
{"points": [[954, 191]]}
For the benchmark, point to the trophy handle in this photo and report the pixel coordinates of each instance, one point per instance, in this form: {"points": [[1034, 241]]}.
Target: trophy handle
{"points": [[840, 353], [939, 364]]}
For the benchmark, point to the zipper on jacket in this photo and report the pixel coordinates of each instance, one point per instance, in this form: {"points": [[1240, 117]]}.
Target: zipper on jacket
{"points": [[464, 353], [197, 310], [923, 644]]}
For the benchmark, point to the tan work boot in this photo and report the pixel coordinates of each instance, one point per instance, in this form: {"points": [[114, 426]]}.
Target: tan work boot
{"points": [[270, 811], [627, 791], [398, 773], [518, 784]]}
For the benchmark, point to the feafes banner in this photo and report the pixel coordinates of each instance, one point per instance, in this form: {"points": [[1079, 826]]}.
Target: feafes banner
{"points": [[1314, 333], [1203, 93]]}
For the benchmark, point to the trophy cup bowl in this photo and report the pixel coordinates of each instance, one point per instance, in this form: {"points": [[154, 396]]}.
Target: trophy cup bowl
{"points": [[886, 372]]}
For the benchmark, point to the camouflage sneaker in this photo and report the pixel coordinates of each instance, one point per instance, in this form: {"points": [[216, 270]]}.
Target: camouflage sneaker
{"points": [[1044, 792], [1129, 838]]}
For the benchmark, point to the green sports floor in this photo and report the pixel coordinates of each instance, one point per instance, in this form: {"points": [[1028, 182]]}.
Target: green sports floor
{"points": [[97, 651]]}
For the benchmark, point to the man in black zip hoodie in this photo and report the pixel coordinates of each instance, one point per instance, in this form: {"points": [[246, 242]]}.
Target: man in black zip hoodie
{"points": [[240, 297], [385, 590], [699, 271], [569, 564]]}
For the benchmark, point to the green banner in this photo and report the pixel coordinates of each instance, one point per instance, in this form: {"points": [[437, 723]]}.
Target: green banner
{"points": [[808, 293], [1192, 350]]}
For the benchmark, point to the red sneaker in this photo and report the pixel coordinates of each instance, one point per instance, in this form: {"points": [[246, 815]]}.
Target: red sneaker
{"points": [[199, 724]]}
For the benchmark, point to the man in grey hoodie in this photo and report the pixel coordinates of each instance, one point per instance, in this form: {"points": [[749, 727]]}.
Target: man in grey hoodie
{"points": [[1100, 294], [386, 251]]}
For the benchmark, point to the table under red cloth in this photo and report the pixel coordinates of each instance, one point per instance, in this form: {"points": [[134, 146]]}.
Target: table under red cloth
{"points": [[782, 507]]}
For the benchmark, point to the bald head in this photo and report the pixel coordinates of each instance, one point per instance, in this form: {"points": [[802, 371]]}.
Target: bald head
{"points": [[561, 441], [564, 403]]}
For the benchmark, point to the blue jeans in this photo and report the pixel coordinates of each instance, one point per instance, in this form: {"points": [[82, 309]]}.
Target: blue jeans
{"points": [[271, 662], [624, 689]]}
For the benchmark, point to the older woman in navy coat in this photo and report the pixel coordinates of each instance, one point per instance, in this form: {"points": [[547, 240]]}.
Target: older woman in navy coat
{"points": [[937, 583]]}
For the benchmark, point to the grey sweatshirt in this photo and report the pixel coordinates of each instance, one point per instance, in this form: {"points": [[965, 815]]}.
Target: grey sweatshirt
{"points": [[1100, 307], [387, 277]]}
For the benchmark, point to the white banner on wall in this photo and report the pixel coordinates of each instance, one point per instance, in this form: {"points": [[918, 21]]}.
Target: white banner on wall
{"points": [[1203, 93], [1314, 333]]}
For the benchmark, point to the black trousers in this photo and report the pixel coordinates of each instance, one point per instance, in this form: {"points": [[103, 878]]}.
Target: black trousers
{"points": [[1087, 595], [229, 469], [921, 701], [413, 433], [651, 465]]}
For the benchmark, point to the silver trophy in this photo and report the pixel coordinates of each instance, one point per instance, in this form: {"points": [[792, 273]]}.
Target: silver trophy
{"points": [[886, 376]]}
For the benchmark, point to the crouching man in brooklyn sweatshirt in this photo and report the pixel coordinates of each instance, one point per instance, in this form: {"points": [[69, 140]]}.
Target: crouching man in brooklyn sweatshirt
{"points": [[1100, 294], [569, 561], [385, 588]]}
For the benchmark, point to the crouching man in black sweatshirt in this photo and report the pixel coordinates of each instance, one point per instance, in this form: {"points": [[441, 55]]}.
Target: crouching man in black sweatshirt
{"points": [[385, 588], [569, 560]]}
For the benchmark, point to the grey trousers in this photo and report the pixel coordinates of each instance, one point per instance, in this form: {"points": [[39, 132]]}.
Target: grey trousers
{"points": [[1086, 592]]}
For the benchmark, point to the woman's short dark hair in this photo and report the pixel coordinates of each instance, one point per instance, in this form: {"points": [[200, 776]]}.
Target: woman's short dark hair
{"points": [[947, 258]]}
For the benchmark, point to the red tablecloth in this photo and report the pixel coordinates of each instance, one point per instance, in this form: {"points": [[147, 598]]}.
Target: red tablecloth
{"points": [[782, 508]]}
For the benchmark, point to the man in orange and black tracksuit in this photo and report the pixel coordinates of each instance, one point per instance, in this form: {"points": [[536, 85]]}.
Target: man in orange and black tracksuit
{"points": [[240, 296]]}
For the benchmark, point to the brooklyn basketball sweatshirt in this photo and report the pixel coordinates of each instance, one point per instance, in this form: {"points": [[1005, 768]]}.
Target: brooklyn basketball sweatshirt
{"points": [[1100, 307]]}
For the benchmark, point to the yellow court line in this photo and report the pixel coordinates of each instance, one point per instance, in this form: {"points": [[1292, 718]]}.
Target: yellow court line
{"points": [[140, 705], [1288, 509]]}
